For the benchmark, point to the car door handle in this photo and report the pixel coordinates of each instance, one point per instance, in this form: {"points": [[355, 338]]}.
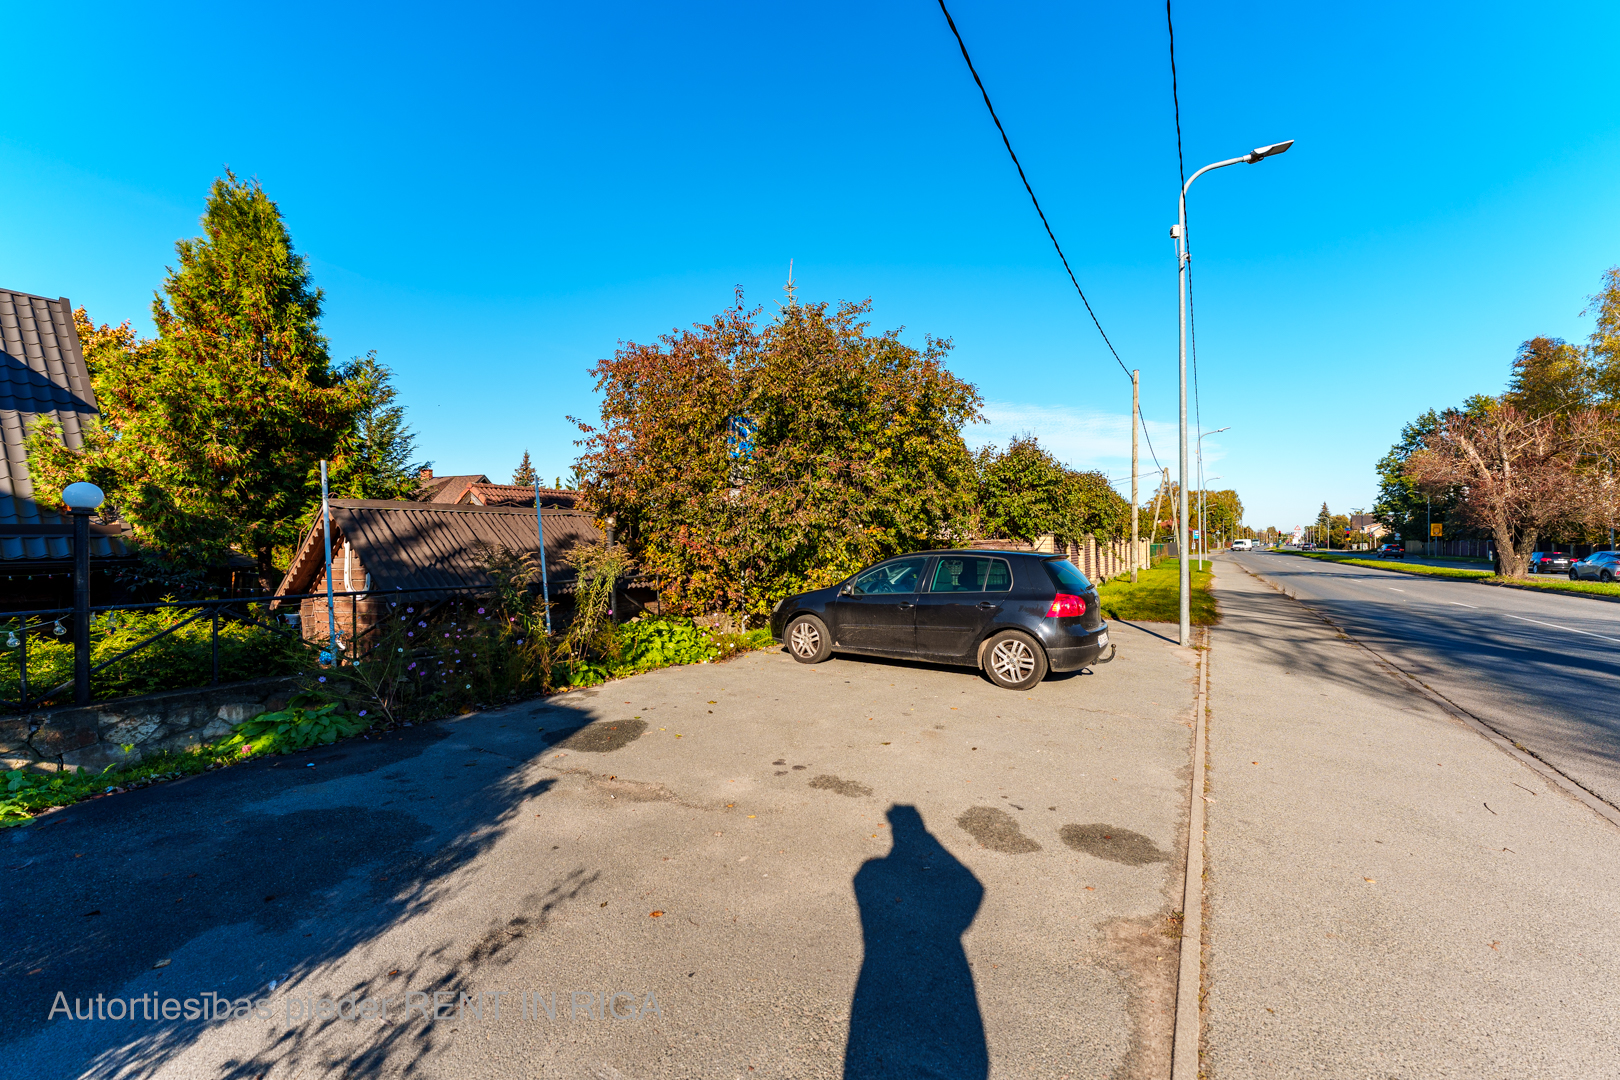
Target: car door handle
{"points": [[906, 604], [985, 605]]}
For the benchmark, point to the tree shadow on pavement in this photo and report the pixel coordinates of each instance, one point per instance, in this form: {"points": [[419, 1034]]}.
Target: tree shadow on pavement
{"points": [[915, 1012], [273, 870]]}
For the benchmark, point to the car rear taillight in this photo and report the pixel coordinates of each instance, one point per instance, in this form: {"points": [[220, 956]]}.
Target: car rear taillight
{"points": [[1065, 606]]}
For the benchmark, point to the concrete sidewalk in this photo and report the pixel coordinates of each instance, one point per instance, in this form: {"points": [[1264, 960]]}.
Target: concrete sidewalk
{"points": [[1388, 894]]}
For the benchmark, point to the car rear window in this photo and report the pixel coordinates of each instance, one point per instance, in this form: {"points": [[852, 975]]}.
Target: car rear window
{"points": [[971, 573], [1066, 576]]}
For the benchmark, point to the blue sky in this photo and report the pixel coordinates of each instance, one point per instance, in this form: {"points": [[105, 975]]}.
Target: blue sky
{"points": [[494, 196]]}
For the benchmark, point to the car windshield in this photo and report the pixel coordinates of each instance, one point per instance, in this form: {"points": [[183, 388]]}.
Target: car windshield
{"points": [[1067, 576]]}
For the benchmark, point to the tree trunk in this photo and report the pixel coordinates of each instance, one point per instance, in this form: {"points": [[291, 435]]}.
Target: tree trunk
{"points": [[1513, 557], [268, 578]]}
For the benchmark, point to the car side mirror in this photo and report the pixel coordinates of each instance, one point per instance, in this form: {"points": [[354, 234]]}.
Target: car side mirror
{"points": [[847, 590]]}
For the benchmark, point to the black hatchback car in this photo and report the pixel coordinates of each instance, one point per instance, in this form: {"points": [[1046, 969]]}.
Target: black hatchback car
{"points": [[1550, 562], [1015, 614]]}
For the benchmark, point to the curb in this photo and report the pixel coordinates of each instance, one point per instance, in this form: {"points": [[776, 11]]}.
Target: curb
{"points": [[1184, 1053]]}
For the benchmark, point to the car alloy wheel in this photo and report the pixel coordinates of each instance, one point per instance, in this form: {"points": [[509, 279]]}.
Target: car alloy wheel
{"points": [[807, 640], [1013, 661], [1605, 577]]}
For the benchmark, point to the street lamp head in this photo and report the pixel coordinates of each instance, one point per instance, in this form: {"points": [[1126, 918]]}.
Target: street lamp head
{"points": [[82, 497], [1260, 153]]}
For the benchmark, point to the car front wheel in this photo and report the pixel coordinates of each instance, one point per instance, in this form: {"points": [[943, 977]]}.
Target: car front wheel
{"points": [[808, 641], [1573, 576], [1014, 661]]}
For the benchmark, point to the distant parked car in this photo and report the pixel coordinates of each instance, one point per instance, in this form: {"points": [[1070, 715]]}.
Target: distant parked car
{"points": [[1598, 566], [1550, 562], [1392, 551]]}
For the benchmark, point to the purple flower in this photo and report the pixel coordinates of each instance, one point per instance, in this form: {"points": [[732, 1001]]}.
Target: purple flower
{"points": [[421, 624], [410, 633], [413, 664], [411, 609], [323, 678], [480, 611], [362, 712]]}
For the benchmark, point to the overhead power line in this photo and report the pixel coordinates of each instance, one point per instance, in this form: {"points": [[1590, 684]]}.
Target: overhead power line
{"points": [[1181, 167], [1005, 141]]}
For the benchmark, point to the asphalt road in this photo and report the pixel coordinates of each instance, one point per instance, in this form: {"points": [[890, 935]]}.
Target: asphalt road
{"points": [[1390, 893], [1542, 669], [859, 869]]}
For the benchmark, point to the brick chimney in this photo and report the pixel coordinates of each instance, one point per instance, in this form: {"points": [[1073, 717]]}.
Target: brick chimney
{"points": [[427, 474]]}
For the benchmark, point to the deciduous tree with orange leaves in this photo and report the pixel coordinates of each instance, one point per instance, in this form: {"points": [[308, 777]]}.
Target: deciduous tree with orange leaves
{"points": [[744, 461]]}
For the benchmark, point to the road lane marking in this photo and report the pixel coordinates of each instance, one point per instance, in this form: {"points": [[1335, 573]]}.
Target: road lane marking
{"points": [[1392, 588], [1455, 604], [1571, 629]]}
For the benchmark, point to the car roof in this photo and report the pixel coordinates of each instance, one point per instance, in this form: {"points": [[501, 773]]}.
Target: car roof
{"points": [[984, 551]]}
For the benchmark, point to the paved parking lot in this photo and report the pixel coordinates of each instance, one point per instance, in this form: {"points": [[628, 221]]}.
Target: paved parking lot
{"points": [[756, 868]]}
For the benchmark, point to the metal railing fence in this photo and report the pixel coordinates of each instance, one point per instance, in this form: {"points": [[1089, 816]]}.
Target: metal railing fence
{"points": [[217, 610]]}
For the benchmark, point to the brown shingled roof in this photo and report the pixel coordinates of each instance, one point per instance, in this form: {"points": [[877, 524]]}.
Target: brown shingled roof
{"points": [[518, 495], [42, 374], [448, 489], [410, 545]]}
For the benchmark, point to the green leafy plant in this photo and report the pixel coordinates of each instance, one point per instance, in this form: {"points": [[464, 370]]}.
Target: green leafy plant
{"points": [[306, 721]]}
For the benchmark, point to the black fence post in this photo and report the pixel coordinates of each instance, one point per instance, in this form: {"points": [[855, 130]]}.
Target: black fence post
{"points": [[81, 606], [214, 644], [22, 699]]}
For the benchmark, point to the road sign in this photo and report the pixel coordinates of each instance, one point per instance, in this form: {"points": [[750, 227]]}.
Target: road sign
{"points": [[1434, 530]]}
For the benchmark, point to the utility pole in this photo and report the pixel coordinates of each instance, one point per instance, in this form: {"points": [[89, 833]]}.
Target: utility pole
{"points": [[1136, 405], [1153, 526]]}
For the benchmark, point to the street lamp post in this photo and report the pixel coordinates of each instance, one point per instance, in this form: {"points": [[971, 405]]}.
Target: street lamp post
{"points": [[1202, 543], [81, 500], [1203, 517], [1179, 232]]}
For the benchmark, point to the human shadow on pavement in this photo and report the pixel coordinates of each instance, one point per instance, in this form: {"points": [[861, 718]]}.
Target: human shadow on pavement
{"points": [[915, 1012]]}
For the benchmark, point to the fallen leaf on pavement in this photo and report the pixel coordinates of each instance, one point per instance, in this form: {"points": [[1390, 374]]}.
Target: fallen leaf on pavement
{"points": [[657, 914]]}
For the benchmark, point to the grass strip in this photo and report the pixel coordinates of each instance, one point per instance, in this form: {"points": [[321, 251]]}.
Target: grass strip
{"points": [[1156, 596], [1403, 567]]}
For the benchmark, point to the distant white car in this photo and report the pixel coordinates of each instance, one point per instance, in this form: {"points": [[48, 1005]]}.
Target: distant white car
{"points": [[1243, 545]]}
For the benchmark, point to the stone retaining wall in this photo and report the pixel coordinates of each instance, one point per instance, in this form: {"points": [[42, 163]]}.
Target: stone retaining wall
{"points": [[95, 736]]}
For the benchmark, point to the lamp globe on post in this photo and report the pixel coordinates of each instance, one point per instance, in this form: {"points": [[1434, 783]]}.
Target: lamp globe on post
{"points": [[81, 499]]}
